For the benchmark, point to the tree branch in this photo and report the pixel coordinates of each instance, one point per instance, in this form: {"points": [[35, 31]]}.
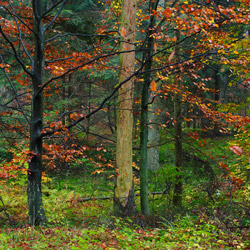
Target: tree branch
{"points": [[55, 17], [15, 92], [15, 52]]}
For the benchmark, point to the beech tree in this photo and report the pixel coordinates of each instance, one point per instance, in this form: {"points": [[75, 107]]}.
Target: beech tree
{"points": [[124, 204]]}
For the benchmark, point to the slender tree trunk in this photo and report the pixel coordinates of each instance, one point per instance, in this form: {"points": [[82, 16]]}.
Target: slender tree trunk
{"points": [[64, 99], [153, 137], [153, 129], [144, 115], [216, 95], [177, 198], [144, 145], [89, 108], [124, 204], [178, 189], [36, 212]]}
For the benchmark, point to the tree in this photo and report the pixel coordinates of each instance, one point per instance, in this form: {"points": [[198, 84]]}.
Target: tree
{"points": [[27, 44], [148, 61], [124, 194], [36, 212]]}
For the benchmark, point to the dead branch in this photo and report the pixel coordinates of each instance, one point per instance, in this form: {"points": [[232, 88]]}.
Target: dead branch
{"points": [[111, 197]]}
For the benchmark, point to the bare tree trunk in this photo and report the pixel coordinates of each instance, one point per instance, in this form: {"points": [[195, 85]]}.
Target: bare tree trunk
{"points": [[153, 129], [153, 137], [177, 198], [124, 204], [144, 114], [178, 189], [36, 212]]}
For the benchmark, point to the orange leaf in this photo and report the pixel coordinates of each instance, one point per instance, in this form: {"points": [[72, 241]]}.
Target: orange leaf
{"points": [[171, 56], [153, 86], [123, 32], [155, 47]]}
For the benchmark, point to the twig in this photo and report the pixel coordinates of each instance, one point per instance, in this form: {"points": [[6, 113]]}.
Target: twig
{"points": [[111, 197], [5, 211]]}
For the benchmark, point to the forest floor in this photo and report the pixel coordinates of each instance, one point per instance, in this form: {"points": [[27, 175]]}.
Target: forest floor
{"points": [[74, 224]]}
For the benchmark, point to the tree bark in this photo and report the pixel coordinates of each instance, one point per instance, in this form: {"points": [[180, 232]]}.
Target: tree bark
{"points": [[178, 189], [144, 143], [124, 204], [153, 138], [36, 211], [153, 129], [177, 198]]}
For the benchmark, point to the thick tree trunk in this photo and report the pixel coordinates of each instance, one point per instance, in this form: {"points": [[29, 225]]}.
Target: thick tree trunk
{"points": [[36, 212], [124, 204]]}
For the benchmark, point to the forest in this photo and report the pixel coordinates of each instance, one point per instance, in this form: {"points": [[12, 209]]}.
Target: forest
{"points": [[124, 124]]}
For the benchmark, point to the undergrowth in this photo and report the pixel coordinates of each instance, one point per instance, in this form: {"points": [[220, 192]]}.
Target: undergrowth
{"points": [[74, 223]]}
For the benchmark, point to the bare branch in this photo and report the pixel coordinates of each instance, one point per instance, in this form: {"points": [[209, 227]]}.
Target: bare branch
{"points": [[78, 67], [18, 17], [5, 211], [15, 92], [111, 197], [51, 8], [55, 17], [59, 59], [20, 36], [15, 52], [76, 34]]}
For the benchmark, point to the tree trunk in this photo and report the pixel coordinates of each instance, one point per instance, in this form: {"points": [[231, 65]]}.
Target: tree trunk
{"points": [[153, 138], [144, 116], [144, 143], [36, 212], [124, 204], [216, 96], [153, 129], [178, 189], [177, 198]]}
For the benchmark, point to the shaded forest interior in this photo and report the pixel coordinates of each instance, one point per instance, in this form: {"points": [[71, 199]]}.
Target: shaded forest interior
{"points": [[124, 124]]}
